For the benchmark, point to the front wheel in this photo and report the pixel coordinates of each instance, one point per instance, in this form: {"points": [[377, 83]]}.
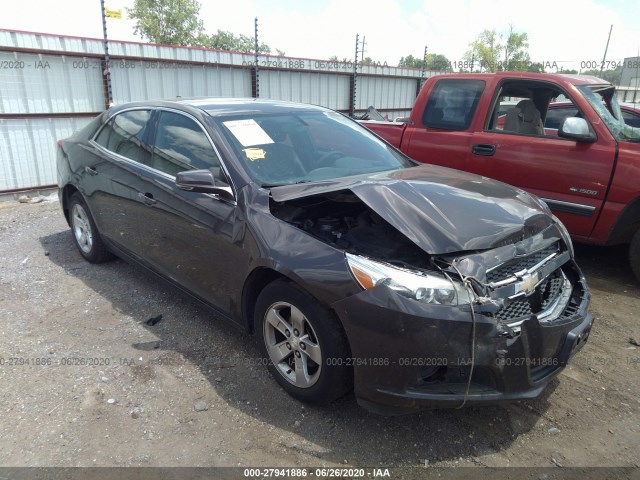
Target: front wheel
{"points": [[634, 254], [304, 343], [85, 233]]}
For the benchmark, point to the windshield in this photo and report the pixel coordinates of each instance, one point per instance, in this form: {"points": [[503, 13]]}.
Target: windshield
{"points": [[603, 100], [296, 147]]}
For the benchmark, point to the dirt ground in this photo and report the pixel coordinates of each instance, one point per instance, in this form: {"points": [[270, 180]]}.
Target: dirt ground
{"points": [[85, 381]]}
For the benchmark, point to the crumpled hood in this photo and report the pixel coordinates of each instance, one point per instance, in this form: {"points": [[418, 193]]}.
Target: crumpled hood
{"points": [[439, 209]]}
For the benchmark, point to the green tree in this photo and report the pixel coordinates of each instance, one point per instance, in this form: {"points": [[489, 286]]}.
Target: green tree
{"points": [[485, 50], [516, 52], [170, 22], [230, 41], [612, 76], [435, 61], [536, 67], [176, 22], [492, 55]]}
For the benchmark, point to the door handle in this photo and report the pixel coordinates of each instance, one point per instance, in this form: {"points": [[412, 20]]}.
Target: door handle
{"points": [[91, 171], [483, 149], [147, 198]]}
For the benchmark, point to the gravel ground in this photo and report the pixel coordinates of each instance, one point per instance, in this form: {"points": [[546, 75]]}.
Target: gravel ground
{"points": [[86, 381]]}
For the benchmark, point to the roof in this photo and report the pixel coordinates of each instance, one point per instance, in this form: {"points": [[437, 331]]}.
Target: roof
{"points": [[555, 77], [231, 106], [225, 106]]}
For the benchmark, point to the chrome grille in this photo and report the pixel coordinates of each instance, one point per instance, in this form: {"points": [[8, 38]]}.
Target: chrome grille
{"points": [[518, 264], [544, 296]]}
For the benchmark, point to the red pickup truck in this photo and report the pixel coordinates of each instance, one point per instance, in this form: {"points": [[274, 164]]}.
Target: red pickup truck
{"points": [[584, 161]]}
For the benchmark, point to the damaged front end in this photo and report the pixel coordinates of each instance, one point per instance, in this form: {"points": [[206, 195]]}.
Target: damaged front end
{"points": [[456, 326]]}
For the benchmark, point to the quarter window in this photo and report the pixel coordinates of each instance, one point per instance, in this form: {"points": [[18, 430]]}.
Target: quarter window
{"points": [[124, 135], [181, 145]]}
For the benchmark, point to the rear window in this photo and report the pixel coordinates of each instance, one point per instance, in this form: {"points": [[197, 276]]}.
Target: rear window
{"points": [[452, 104]]}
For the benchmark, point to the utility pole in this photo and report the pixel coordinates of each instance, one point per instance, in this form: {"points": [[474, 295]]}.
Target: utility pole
{"points": [[423, 73], [354, 76], [606, 48], [106, 74], [256, 48], [363, 49], [424, 62]]}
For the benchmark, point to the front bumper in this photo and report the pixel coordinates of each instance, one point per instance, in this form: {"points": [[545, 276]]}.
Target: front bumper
{"points": [[409, 356]]}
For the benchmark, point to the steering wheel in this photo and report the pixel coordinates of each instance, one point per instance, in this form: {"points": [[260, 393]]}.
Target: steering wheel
{"points": [[327, 158]]}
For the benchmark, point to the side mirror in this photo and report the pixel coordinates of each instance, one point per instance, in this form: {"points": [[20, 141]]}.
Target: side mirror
{"points": [[203, 181], [577, 129]]}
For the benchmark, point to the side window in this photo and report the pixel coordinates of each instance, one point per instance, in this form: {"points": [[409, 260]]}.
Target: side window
{"points": [[631, 119], [124, 135], [452, 104], [555, 116], [530, 108], [181, 145]]}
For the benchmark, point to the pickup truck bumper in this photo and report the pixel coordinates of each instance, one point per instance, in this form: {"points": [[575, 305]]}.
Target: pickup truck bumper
{"points": [[408, 356]]}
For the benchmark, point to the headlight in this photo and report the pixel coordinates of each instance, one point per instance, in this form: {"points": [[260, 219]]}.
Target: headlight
{"points": [[420, 286], [565, 234]]}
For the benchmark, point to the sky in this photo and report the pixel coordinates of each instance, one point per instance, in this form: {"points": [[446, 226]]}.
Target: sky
{"points": [[569, 33]]}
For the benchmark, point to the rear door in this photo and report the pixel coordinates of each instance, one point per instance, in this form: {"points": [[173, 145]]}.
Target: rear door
{"points": [[572, 177], [113, 174]]}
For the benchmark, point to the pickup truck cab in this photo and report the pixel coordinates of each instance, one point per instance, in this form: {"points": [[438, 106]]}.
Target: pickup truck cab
{"points": [[587, 168]]}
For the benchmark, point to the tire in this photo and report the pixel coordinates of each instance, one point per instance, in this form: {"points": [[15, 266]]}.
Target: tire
{"points": [[304, 344], [85, 233], [634, 254]]}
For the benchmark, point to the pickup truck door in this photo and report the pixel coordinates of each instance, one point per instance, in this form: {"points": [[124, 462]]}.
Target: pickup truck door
{"points": [[440, 134], [572, 177]]}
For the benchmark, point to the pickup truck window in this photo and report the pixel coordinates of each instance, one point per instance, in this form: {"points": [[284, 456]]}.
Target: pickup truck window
{"points": [[631, 119], [555, 116], [452, 104]]}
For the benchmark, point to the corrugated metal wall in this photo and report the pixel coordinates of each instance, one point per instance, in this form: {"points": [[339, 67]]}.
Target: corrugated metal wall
{"points": [[52, 85]]}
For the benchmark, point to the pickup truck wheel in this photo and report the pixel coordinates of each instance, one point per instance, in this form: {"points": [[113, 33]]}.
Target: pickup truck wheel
{"points": [[634, 254], [303, 344], [85, 233]]}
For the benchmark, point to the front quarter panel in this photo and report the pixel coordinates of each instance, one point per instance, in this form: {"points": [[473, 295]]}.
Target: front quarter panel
{"points": [[317, 267]]}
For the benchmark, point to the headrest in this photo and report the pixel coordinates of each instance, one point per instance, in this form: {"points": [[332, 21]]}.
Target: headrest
{"points": [[528, 111]]}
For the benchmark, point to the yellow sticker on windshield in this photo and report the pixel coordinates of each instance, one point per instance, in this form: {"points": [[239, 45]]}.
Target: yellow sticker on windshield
{"points": [[254, 154]]}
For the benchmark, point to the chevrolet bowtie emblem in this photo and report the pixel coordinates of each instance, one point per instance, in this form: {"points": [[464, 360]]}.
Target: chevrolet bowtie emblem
{"points": [[528, 283]]}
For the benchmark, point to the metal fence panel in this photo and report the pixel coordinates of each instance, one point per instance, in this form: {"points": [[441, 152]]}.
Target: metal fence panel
{"points": [[326, 89], [28, 150], [35, 83], [146, 80], [384, 92]]}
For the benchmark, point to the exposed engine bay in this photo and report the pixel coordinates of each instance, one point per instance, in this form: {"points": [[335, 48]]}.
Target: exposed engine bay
{"points": [[342, 220]]}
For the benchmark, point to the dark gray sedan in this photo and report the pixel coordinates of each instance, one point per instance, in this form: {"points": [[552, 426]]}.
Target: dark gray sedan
{"points": [[414, 286]]}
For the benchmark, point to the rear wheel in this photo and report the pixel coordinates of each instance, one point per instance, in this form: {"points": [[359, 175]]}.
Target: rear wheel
{"points": [[634, 254], [304, 344], [85, 234]]}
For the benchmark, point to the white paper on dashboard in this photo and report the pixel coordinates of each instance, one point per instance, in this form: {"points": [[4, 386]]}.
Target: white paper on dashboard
{"points": [[248, 132]]}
